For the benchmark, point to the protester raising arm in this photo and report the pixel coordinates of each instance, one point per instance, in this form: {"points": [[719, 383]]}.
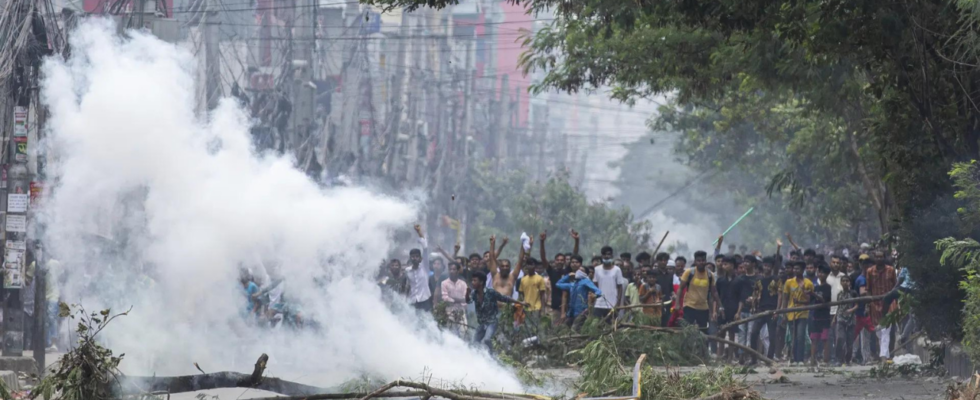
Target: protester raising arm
{"points": [[503, 244], [493, 256], [721, 239], [575, 238], [516, 272], [425, 266], [446, 254], [544, 255], [791, 242]]}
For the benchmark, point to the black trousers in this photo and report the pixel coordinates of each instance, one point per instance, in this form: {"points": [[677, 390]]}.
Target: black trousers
{"points": [[424, 305], [697, 317], [770, 323]]}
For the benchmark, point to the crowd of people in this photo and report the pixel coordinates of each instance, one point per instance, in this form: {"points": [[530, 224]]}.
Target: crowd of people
{"points": [[742, 296], [715, 294]]}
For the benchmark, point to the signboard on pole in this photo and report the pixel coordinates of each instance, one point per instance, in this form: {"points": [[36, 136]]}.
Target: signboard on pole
{"points": [[36, 189], [20, 149], [13, 264], [16, 223], [17, 202], [20, 121]]}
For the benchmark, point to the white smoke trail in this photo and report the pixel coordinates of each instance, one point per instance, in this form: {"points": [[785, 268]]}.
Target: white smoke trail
{"points": [[188, 202]]}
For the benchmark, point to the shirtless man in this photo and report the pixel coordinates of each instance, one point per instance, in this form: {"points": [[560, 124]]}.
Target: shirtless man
{"points": [[504, 277]]}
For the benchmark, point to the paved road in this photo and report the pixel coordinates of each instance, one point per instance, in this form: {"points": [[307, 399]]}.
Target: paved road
{"points": [[801, 384]]}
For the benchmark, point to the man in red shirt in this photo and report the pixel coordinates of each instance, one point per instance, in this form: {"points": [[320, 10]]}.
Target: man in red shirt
{"points": [[881, 280]]}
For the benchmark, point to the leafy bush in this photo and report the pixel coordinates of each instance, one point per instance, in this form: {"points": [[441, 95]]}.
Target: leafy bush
{"points": [[964, 255], [603, 373], [88, 371]]}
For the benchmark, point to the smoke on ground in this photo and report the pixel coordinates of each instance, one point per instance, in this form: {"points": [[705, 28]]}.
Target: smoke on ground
{"points": [[143, 188]]}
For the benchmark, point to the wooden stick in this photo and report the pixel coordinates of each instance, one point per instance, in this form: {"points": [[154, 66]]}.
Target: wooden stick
{"points": [[660, 244], [451, 395], [652, 328], [661, 304], [379, 390], [757, 354], [343, 396], [764, 314], [570, 337]]}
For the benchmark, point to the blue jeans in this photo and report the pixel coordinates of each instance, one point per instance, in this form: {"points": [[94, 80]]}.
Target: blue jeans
{"points": [[52, 323], [484, 334]]}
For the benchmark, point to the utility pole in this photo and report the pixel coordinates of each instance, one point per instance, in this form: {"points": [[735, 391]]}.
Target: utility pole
{"points": [[468, 96], [397, 108], [542, 136], [20, 84], [345, 142], [212, 69]]}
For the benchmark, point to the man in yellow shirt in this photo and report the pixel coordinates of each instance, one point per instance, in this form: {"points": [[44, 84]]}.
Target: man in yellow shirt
{"points": [[796, 293], [532, 292], [698, 291]]}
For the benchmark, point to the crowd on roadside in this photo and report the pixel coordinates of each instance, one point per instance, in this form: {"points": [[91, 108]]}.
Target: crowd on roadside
{"points": [[659, 289]]}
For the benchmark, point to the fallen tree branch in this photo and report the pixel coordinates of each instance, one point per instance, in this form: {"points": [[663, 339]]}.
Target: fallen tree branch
{"points": [[380, 390], [434, 391], [218, 380], [660, 304], [732, 395], [757, 354], [344, 396], [570, 337], [764, 314]]}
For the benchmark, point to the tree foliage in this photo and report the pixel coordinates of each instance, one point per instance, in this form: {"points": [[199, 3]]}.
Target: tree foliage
{"points": [[901, 76], [508, 203], [964, 254], [798, 168], [88, 371]]}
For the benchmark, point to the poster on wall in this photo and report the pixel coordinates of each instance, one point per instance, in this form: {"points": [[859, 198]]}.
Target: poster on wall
{"points": [[16, 223], [13, 264], [12, 278], [17, 202], [36, 190]]}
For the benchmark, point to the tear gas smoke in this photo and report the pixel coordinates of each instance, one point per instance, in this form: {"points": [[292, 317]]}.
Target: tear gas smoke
{"points": [[142, 188]]}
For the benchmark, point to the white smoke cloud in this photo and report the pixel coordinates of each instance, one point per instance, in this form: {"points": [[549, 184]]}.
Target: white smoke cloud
{"points": [[189, 202]]}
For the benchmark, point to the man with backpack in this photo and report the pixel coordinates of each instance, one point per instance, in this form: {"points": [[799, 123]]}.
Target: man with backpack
{"points": [[698, 290]]}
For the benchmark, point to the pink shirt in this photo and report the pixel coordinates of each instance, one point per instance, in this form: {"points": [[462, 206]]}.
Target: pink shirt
{"points": [[454, 294]]}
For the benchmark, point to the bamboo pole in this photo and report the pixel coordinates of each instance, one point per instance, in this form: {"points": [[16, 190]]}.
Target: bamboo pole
{"points": [[661, 243], [764, 314]]}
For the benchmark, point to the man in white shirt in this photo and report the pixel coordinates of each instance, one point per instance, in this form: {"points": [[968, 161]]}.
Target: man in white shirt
{"points": [[419, 293], [609, 278], [833, 279]]}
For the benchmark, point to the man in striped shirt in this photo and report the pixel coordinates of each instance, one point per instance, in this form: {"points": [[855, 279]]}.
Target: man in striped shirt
{"points": [[881, 279]]}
